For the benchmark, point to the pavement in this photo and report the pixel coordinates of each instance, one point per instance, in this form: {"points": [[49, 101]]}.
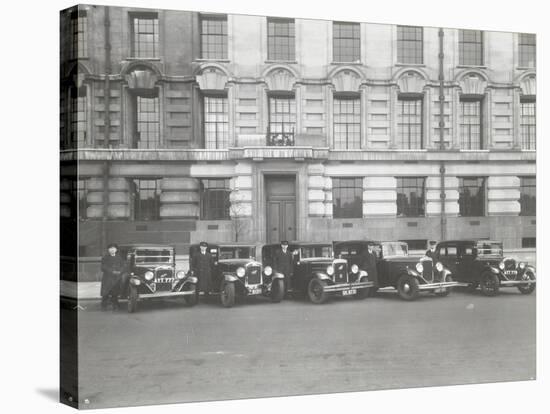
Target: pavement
{"points": [[169, 353]]}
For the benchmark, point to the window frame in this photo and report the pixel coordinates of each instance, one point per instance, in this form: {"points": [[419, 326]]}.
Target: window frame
{"points": [[224, 36], [205, 209], [401, 99], [410, 49], [524, 42], [468, 207], [135, 50], [136, 122], [355, 122], [526, 114], [463, 46], [417, 210], [338, 210], [224, 133], [288, 55], [527, 201], [137, 203], [462, 102], [79, 35], [338, 42]]}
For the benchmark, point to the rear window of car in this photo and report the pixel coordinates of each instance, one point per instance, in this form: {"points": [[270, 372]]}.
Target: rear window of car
{"points": [[236, 253], [447, 251], [153, 256]]}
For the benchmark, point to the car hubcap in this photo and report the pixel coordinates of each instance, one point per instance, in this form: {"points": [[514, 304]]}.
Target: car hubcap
{"points": [[406, 287]]}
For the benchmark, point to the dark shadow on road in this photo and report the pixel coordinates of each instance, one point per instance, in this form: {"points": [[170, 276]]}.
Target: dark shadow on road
{"points": [[51, 394]]}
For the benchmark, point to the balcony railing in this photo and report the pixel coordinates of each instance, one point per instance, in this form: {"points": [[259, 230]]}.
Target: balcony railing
{"points": [[280, 139]]}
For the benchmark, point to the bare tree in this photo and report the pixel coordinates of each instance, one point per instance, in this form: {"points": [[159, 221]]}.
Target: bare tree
{"points": [[238, 223]]}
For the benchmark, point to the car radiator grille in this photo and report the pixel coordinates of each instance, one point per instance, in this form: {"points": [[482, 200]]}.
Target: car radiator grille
{"points": [[510, 269], [254, 274], [340, 272], [162, 274]]}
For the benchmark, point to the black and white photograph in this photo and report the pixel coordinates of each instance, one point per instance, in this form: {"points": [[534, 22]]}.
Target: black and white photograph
{"points": [[255, 203]]}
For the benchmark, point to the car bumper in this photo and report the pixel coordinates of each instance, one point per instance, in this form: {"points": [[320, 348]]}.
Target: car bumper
{"points": [[347, 286], [440, 285], [513, 283], [165, 294]]}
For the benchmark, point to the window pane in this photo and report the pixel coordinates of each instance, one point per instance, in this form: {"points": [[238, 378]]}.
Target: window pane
{"points": [[216, 122], [214, 37], [410, 196], [470, 47], [346, 42], [347, 195], [215, 202], [527, 50], [528, 196], [347, 123], [145, 36], [280, 39], [471, 198], [470, 125], [147, 122], [409, 44], [528, 125], [78, 117], [146, 194], [409, 124]]}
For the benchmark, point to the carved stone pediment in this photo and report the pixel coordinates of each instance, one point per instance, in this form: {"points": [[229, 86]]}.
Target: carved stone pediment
{"points": [[280, 80], [529, 85], [141, 79], [411, 82], [346, 81], [473, 84], [212, 79]]}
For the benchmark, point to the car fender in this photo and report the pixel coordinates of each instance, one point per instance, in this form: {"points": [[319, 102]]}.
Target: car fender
{"points": [[190, 279], [493, 269], [412, 272], [531, 269], [445, 272], [228, 277], [277, 276], [322, 276]]}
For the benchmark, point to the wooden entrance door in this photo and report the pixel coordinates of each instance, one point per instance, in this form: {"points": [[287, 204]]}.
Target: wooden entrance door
{"points": [[281, 208]]}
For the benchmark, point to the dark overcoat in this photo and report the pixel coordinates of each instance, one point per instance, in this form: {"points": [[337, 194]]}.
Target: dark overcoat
{"points": [[368, 263], [282, 262], [202, 266], [112, 268]]}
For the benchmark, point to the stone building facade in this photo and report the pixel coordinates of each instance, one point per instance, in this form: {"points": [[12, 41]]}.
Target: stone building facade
{"points": [[181, 126]]}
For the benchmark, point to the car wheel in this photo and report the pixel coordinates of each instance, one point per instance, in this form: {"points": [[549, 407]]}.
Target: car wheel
{"points": [[407, 287], [489, 284], [132, 299], [527, 290], [316, 291], [277, 290], [447, 290], [363, 293], [190, 300], [227, 294]]}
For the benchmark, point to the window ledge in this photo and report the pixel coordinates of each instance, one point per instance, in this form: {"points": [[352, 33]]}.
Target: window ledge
{"points": [[347, 63], [525, 68], [154, 59], [471, 66], [282, 61], [413, 65], [212, 60]]}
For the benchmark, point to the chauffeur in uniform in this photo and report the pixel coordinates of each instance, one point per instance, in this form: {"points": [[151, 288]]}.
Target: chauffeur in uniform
{"points": [[112, 266], [282, 263], [368, 262], [202, 267], [431, 249]]}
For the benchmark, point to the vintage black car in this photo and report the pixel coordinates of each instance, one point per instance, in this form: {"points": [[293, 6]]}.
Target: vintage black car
{"points": [[318, 274], [151, 273], [409, 275], [237, 273], [482, 263]]}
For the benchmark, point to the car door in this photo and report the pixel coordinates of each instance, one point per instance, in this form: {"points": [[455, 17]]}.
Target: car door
{"points": [[447, 255], [466, 262]]}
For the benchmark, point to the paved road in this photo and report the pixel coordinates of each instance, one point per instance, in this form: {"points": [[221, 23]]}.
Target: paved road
{"points": [[169, 353]]}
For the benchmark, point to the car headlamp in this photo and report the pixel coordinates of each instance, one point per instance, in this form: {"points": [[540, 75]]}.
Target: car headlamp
{"points": [[521, 265], [330, 270], [180, 274], [354, 268], [240, 271], [149, 275], [419, 267], [268, 270], [439, 267], [501, 265]]}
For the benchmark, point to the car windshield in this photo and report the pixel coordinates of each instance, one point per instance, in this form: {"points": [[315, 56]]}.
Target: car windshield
{"points": [[395, 249], [153, 256], [489, 249], [315, 251], [236, 252]]}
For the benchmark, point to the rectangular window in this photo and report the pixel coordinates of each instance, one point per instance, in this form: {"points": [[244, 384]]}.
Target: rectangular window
{"points": [[146, 195], [470, 124], [409, 44], [416, 244], [347, 196], [280, 39], [529, 242], [409, 123], [63, 113], [213, 37], [410, 196], [282, 120], [470, 45], [347, 122], [471, 197], [528, 124], [78, 112], [216, 122], [346, 43], [81, 195], [214, 199], [528, 196], [527, 50], [79, 34], [147, 128], [145, 35]]}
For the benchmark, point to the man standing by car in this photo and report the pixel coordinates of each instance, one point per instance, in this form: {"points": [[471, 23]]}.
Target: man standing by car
{"points": [[112, 266], [367, 262], [201, 265], [431, 249], [282, 263]]}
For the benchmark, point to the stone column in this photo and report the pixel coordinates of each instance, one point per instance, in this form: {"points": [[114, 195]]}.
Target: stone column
{"points": [[379, 196], [316, 190], [179, 198], [433, 198], [503, 193], [119, 198]]}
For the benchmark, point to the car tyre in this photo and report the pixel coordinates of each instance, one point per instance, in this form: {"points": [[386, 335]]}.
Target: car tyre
{"points": [[191, 300], [527, 290], [132, 299], [316, 291], [489, 284], [407, 287], [227, 294], [277, 290], [447, 290]]}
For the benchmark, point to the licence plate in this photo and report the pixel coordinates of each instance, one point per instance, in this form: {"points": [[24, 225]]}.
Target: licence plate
{"points": [[255, 291], [349, 292]]}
